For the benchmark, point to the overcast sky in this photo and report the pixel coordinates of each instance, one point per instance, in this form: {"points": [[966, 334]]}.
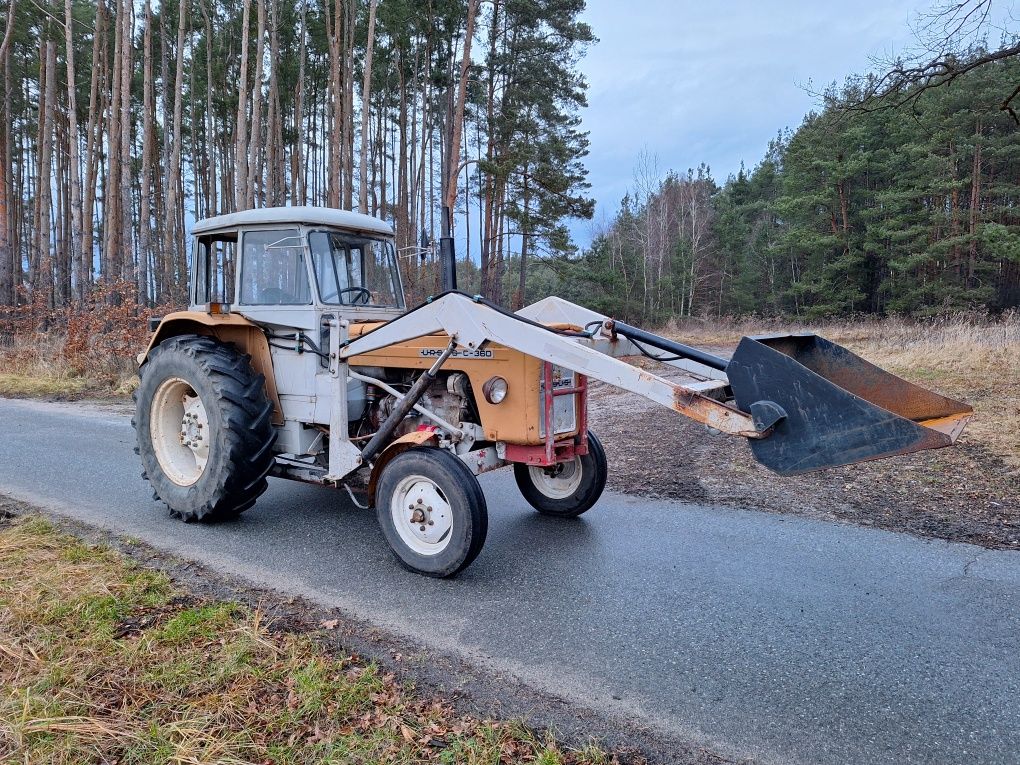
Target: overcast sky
{"points": [[690, 82]]}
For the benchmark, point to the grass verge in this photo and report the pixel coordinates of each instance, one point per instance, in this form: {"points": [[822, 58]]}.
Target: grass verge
{"points": [[32, 385], [37, 366], [104, 661]]}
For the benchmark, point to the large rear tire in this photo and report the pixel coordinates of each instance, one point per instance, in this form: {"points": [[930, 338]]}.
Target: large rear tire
{"points": [[566, 489], [204, 428], [432, 511]]}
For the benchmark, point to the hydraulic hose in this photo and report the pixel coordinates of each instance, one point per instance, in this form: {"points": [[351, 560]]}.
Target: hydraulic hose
{"points": [[684, 351]]}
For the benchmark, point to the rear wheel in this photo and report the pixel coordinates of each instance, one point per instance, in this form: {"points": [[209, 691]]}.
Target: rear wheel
{"points": [[565, 489], [204, 428], [431, 511]]}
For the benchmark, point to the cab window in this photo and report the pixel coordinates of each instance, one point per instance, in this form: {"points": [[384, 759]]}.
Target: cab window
{"points": [[355, 270], [273, 270], [213, 266]]}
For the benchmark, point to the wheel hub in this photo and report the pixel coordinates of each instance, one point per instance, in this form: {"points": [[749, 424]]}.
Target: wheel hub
{"points": [[559, 481], [195, 429], [179, 428], [422, 516]]}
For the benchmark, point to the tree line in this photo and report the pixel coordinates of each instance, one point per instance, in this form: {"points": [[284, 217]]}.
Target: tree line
{"points": [[904, 210], [123, 121]]}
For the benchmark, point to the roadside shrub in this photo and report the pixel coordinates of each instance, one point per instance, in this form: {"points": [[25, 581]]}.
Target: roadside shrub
{"points": [[91, 345]]}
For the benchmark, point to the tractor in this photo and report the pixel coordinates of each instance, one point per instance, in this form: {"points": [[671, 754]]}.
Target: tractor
{"points": [[298, 358]]}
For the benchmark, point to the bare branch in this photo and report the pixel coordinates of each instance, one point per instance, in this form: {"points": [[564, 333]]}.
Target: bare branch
{"points": [[1005, 105], [950, 45]]}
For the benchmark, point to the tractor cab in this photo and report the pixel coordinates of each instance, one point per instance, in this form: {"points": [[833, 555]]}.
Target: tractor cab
{"points": [[289, 266]]}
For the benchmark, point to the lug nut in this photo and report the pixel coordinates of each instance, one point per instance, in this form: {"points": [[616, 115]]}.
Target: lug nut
{"points": [[432, 523], [422, 528]]}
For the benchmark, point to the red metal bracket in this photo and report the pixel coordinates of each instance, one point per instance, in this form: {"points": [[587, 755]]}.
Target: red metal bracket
{"points": [[553, 451]]}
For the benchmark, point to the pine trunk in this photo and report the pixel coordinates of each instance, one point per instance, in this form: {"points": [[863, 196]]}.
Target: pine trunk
{"points": [[241, 143], [125, 236], [73, 153], [366, 99], [252, 193], [145, 181], [348, 110], [110, 266], [171, 245], [93, 138], [7, 292], [298, 196]]}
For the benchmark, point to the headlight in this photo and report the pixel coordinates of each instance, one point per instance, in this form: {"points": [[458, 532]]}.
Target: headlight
{"points": [[495, 390]]}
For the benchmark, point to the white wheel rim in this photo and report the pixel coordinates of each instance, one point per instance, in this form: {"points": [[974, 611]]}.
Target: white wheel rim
{"points": [[179, 429], [421, 515], [560, 481]]}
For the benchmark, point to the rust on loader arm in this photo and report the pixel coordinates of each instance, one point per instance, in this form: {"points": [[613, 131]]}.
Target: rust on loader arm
{"points": [[714, 414]]}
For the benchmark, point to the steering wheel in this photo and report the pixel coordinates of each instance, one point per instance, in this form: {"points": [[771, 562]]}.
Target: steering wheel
{"points": [[361, 296]]}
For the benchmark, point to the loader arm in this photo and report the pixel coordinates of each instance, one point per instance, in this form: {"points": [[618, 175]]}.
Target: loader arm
{"points": [[838, 408], [803, 402], [556, 310], [473, 322]]}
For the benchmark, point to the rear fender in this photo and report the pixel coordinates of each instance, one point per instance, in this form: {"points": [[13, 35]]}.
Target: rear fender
{"points": [[247, 336]]}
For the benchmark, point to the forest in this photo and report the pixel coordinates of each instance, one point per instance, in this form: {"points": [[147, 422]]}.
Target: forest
{"points": [[124, 121], [912, 211]]}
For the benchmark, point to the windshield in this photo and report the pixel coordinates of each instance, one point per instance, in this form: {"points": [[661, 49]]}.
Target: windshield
{"points": [[355, 270]]}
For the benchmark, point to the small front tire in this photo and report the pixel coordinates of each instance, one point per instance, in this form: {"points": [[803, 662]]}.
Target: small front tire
{"points": [[432, 511], [566, 489]]}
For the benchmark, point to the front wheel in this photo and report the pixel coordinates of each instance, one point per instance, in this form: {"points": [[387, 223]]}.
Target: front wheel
{"points": [[431, 511], [565, 489]]}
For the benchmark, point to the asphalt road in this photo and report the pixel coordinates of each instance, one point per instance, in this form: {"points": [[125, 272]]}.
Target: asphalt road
{"points": [[779, 638]]}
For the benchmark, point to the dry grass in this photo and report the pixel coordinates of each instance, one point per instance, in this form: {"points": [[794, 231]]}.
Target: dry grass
{"points": [[101, 661], [86, 348], [35, 365], [963, 356]]}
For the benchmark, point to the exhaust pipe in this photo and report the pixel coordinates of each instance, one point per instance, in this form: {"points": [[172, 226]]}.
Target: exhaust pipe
{"points": [[447, 254]]}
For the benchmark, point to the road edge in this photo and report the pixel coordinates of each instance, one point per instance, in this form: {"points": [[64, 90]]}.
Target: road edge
{"points": [[472, 690]]}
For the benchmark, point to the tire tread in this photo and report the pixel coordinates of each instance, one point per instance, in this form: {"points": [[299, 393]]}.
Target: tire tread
{"points": [[247, 415]]}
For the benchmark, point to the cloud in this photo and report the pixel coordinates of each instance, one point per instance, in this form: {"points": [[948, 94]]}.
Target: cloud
{"points": [[693, 82]]}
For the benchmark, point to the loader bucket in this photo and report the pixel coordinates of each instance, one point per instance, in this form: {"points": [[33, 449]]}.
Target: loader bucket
{"points": [[839, 409]]}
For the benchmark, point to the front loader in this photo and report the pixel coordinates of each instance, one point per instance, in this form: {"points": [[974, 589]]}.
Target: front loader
{"points": [[298, 359]]}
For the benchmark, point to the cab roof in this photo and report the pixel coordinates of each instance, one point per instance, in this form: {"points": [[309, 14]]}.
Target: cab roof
{"points": [[314, 216]]}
